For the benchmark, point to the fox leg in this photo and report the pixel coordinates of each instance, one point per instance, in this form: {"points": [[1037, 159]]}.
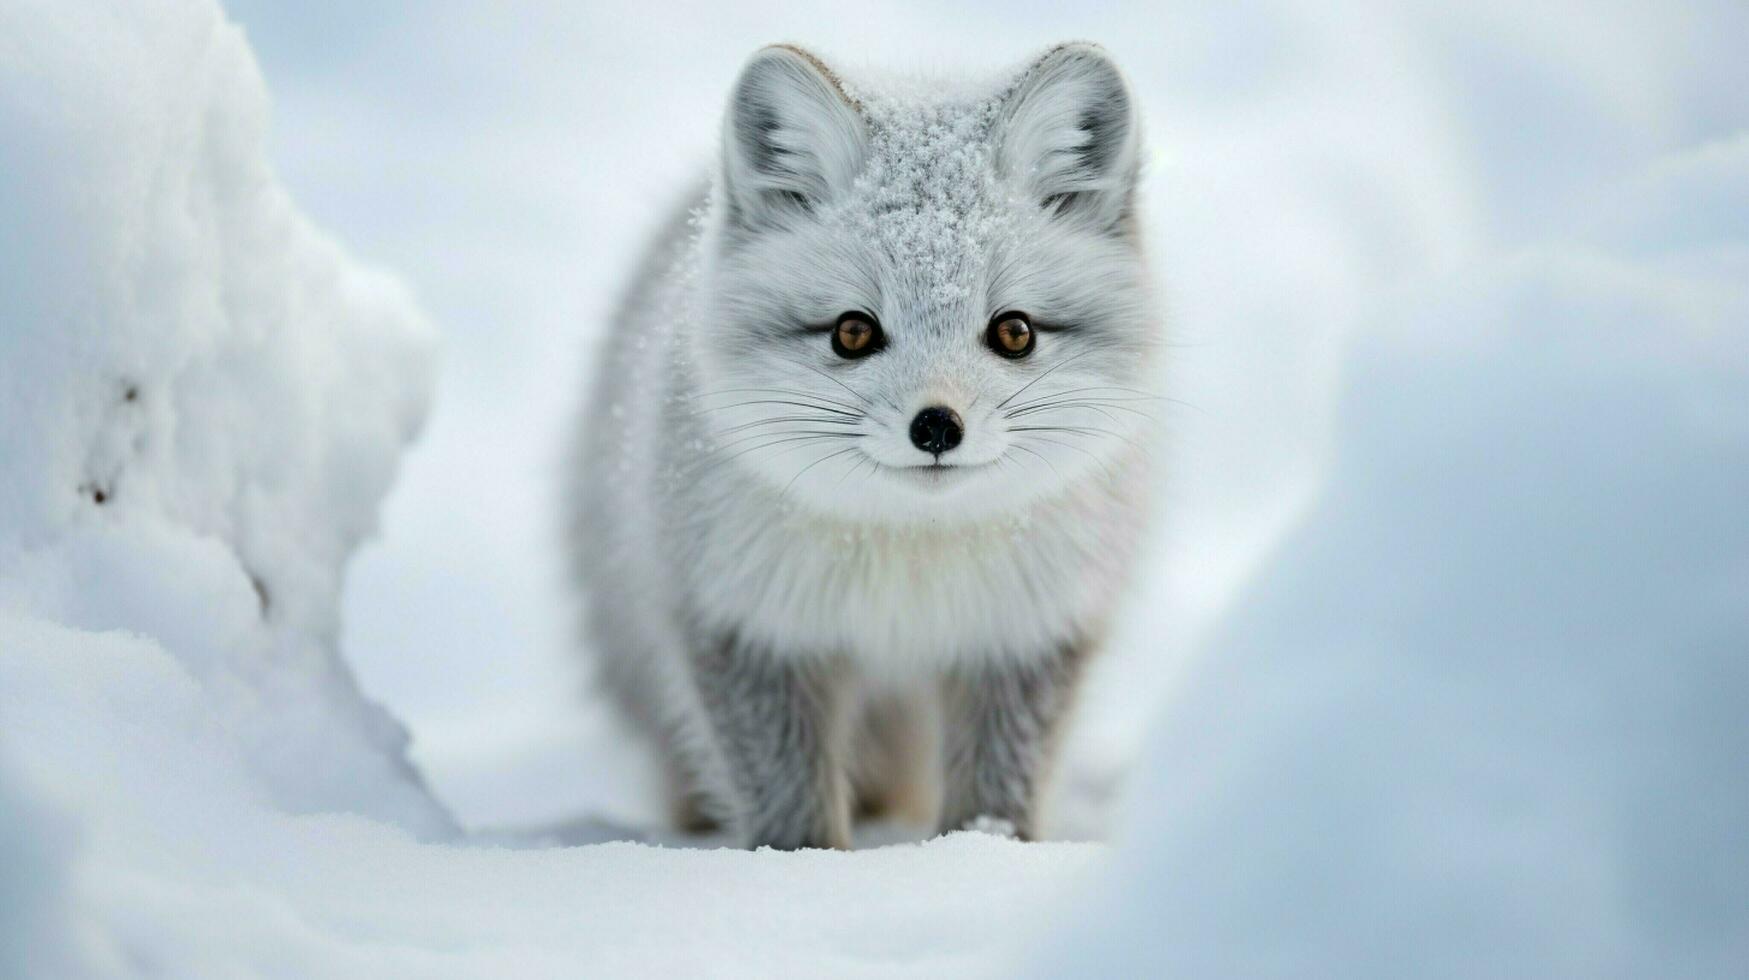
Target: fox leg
{"points": [[1003, 719], [778, 727], [689, 809], [895, 764]]}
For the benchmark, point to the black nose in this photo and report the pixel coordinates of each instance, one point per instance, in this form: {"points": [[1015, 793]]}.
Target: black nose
{"points": [[936, 430]]}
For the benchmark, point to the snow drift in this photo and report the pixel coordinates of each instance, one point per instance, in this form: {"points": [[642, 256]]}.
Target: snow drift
{"points": [[204, 399], [1484, 713]]}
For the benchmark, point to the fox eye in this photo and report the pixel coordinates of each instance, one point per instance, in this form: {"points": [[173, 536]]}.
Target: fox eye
{"points": [[1011, 334], [857, 335]]}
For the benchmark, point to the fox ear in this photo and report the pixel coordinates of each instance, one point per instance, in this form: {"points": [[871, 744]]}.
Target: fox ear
{"points": [[792, 139], [1068, 134]]}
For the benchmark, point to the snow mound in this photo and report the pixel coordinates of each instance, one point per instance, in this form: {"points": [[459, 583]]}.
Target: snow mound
{"points": [[203, 398], [1484, 716]]}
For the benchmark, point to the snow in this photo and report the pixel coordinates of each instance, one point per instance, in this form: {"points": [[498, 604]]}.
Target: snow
{"points": [[1483, 713], [187, 867], [204, 398], [1439, 671], [32, 899]]}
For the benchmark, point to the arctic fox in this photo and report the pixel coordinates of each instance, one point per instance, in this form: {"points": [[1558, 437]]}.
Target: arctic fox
{"points": [[869, 456]]}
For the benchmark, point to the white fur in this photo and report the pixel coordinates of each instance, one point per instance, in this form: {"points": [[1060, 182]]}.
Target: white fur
{"points": [[933, 207]]}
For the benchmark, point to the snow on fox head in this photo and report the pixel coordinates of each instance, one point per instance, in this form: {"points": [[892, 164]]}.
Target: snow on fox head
{"points": [[922, 300]]}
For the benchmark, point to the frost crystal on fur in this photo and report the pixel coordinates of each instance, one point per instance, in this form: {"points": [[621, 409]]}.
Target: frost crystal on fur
{"points": [[928, 191]]}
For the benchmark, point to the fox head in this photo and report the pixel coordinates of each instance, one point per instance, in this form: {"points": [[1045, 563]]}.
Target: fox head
{"points": [[923, 304]]}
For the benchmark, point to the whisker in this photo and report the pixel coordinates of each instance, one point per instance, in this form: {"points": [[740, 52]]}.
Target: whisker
{"points": [[1064, 407], [854, 393], [1035, 455], [1076, 430], [818, 419], [1134, 395], [1047, 373], [1095, 404], [815, 437], [1109, 478], [792, 392], [779, 401], [854, 469], [783, 432], [1088, 390], [710, 462], [817, 462]]}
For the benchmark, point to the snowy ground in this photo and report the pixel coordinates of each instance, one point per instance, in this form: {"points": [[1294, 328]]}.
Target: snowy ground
{"points": [[1443, 668]]}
